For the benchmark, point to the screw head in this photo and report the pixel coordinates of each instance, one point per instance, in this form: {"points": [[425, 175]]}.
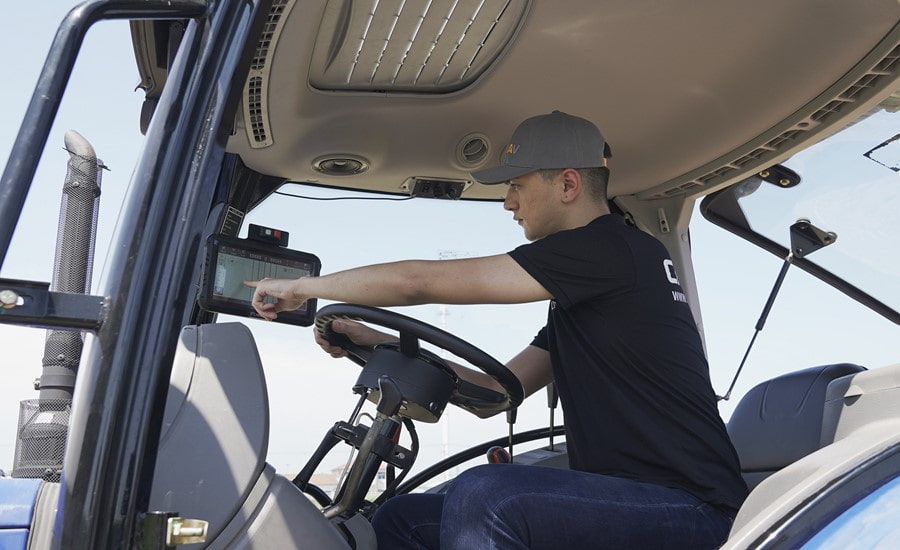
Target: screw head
{"points": [[8, 298]]}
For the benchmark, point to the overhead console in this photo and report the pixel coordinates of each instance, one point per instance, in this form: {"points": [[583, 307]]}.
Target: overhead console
{"points": [[230, 261]]}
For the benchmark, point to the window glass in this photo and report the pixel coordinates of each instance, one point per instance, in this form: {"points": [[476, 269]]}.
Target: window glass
{"points": [[850, 186], [842, 190], [873, 522]]}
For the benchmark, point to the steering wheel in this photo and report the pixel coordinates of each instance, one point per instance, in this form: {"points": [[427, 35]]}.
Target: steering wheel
{"points": [[417, 370]]}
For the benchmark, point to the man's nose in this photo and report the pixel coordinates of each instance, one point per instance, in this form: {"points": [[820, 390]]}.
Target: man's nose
{"points": [[509, 202]]}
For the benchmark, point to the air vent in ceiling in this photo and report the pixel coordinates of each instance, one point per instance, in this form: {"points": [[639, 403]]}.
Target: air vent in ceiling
{"points": [[256, 98], [428, 46], [472, 150]]}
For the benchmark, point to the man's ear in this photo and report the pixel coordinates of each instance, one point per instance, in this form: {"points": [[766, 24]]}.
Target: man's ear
{"points": [[572, 184]]}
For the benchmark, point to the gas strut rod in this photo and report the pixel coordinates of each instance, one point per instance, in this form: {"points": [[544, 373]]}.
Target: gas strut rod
{"points": [[805, 239]]}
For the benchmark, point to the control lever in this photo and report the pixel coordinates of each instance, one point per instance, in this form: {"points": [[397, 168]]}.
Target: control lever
{"points": [[390, 399], [499, 455], [366, 464], [511, 415], [552, 402]]}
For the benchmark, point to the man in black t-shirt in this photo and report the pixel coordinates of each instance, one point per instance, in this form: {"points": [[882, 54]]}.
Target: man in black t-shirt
{"points": [[651, 465]]}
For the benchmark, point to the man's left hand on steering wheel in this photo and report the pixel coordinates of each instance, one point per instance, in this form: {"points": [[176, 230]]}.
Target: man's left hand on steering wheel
{"points": [[472, 397]]}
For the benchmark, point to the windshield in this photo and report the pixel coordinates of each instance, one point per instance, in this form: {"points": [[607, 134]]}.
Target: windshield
{"points": [[347, 229], [848, 191], [851, 187], [846, 310]]}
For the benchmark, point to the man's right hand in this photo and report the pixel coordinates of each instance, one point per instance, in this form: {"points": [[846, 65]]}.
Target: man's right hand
{"points": [[285, 292], [358, 333]]}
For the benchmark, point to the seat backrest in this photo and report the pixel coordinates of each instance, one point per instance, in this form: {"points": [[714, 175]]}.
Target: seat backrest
{"points": [[780, 421], [215, 431], [860, 435]]}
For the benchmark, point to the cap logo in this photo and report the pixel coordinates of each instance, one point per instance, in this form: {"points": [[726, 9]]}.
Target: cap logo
{"points": [[555, 140]]}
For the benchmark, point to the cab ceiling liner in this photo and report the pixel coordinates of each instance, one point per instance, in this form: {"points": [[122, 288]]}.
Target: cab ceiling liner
{"points": [[421, 46]]}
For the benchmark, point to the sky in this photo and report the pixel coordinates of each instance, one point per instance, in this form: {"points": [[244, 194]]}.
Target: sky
{"points": [[809, 325]]}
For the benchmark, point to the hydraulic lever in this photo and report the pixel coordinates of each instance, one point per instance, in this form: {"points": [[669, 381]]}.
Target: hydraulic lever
{"points": [[499, 455], [511, 415], [552, 402]]}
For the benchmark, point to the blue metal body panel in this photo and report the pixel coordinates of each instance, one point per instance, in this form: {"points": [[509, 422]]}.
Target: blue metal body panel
{"points": [[13, 539], [17, 497]]}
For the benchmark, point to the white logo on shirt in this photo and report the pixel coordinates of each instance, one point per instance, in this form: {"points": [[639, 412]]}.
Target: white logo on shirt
{"points": [[669, 266], [672, 276]]}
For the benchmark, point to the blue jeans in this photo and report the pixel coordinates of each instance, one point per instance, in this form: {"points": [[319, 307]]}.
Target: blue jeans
{"points": [[500, 506]]}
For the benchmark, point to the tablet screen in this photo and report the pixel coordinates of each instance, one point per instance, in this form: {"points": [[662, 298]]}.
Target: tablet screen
{"points": [[231, 261]]}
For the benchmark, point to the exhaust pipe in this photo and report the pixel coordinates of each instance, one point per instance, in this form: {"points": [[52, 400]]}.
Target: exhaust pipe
{"points": [[43, 422]]}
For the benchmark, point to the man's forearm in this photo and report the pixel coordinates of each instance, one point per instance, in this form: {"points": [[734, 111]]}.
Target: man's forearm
{"points": [[486, 280], [391, 284]]}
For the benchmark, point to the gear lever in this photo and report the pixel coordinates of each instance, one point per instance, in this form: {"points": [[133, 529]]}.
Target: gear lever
{"points": [[499, 455]]}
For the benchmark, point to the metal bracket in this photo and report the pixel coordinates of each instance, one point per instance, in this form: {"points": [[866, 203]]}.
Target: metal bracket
{"points": [[807, 238], [663, 220], [32, 303], [392, 453]]}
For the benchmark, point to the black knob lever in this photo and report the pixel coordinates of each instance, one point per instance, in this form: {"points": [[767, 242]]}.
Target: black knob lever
{"points": [[390, 399], [498, 455]]}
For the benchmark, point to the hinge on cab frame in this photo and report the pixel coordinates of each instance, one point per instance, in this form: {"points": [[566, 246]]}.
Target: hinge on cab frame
{"points": [[165, 530]]}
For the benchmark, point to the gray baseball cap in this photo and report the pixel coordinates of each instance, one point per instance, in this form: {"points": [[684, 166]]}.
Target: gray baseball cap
{"points": [[557, 140]]}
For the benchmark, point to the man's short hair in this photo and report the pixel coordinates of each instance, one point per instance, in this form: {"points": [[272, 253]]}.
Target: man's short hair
{"points": [[594, 179]]}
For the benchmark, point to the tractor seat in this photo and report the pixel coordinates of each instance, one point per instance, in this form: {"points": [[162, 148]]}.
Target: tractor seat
{"points": [[780, 421]]}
